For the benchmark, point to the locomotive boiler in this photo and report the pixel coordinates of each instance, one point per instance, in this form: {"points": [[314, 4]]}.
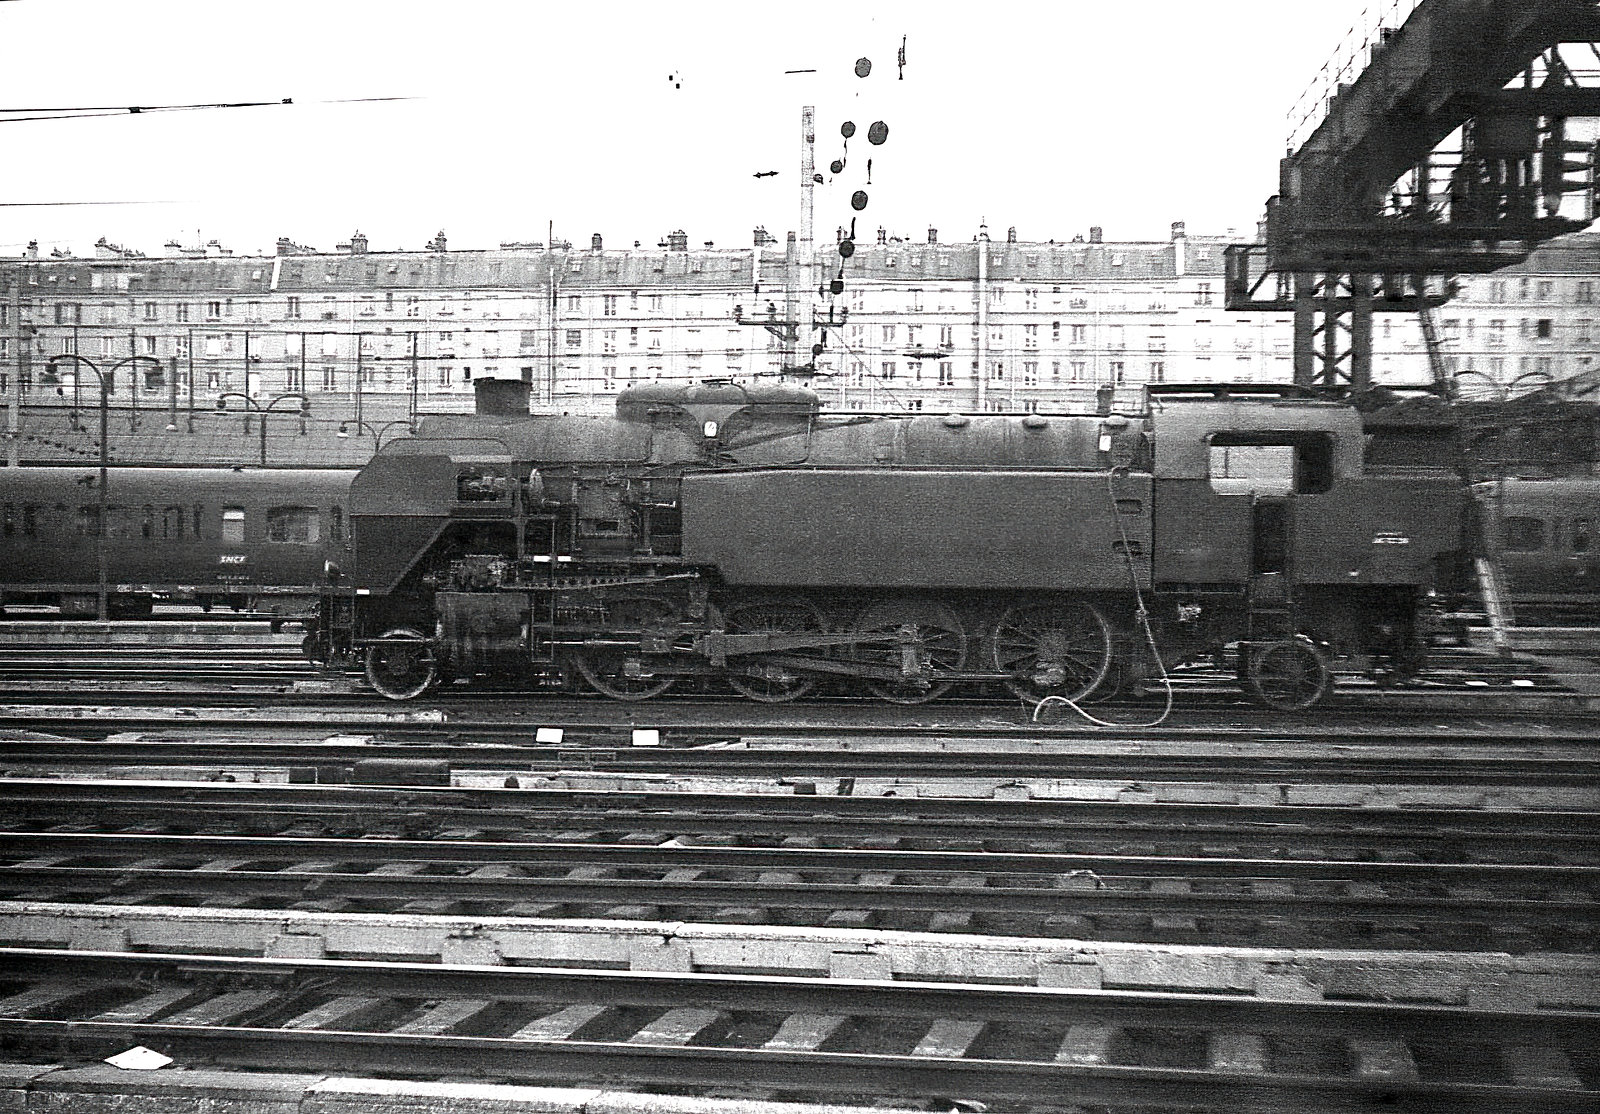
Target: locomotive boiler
{"points": [[717, 533]]}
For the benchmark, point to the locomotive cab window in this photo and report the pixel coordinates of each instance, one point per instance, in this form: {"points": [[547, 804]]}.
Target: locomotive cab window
{"points": [[293, 525], [482, 483], [233, 524], [1271, 463], [1523, 534]]}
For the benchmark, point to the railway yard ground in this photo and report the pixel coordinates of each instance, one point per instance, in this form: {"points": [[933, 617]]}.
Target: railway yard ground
{"points": [[297, 897]]}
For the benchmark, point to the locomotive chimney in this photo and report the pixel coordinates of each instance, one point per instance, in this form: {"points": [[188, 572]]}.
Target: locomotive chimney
{"points": [[500, 398]]}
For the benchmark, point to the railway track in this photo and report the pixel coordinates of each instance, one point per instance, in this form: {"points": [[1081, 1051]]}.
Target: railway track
{"points": [[190, 659], [803, 1039], [1487, 758], [1440, 878]]}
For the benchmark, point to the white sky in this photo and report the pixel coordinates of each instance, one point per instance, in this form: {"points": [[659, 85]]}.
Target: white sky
{"points": [[1048, 116]]}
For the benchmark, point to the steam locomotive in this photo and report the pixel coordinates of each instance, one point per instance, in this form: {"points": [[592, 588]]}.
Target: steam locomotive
{"points": [[728, 534]]}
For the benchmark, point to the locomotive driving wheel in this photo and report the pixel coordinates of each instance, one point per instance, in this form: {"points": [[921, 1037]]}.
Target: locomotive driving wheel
{"points": [[1052, 648], [626, 672], [754, 676], [914, 638], [402, 665], [1288, 676]]}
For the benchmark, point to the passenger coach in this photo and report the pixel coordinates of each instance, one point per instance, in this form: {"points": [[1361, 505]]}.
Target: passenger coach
{"points": [[245, 538]]}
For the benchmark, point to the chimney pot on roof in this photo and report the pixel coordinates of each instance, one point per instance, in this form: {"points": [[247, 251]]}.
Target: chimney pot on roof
{"points": [[883, 235], [1011, 234], [933, 234], [594, 242], [1178, 230], [358, 244], [678, 240], [1096, 234]]}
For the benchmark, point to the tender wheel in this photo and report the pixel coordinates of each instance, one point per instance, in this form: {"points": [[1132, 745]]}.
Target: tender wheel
{"points": [[624, 673], [1288, 676], [404, 667], [913, 638], [1052, 648], [753, 675]]}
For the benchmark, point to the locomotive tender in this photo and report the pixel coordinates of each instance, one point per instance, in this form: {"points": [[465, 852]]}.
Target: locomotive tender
{"points": [[718, 531]]}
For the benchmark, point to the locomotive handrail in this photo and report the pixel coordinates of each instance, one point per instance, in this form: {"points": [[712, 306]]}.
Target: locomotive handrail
{"points": [[1221, 392]]}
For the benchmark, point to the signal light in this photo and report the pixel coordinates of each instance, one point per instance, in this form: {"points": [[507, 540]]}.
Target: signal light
{"points": [[1565, 166]]}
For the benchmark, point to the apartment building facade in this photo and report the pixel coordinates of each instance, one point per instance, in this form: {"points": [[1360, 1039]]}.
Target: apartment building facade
{"points": [[982, 324]]}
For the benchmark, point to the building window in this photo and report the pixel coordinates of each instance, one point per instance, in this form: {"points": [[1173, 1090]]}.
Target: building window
{"points": [[1202, 294], [947, 374], [1546, 328], [1585, 293], [1030, 336], [213, 310], [610, 305], [888, 368], [1080, 334], [1030, 373], [1158, 370], [888, 334], [1546, 291]]}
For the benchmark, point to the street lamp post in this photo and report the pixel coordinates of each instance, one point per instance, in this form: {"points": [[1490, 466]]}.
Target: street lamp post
{"points": [[254, 407], [101, 594], [346, 428]]}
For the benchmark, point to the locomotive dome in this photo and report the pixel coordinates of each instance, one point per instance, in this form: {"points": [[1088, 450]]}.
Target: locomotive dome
{"points": [[723, 395]]}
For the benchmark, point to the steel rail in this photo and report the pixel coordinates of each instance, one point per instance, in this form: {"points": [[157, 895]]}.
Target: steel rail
{"points": [[647, 810], [19, 846], [465, 719], [990, 1002], [812, 1073], [1370, 766], [901, 895]]}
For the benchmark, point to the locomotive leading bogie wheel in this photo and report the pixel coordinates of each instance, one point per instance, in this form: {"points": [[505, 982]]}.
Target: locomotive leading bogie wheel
{"points": [[752, 675], [402, 665], [624, 673], [1288, 676], [914, 638], [1052, 648]]}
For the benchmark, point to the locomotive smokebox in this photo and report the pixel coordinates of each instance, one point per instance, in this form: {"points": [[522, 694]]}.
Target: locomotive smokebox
{"points": [[500, 398]]}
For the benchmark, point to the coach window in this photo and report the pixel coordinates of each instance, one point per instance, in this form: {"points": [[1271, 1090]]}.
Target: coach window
{"points": [[233, 524], [1523, 534], [172, 523], [87, 522], [1271, 463], [199, 514], [292, 525], [10, 519], [30, 520], [336, 523], [1580, 535], [148, 527]]}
